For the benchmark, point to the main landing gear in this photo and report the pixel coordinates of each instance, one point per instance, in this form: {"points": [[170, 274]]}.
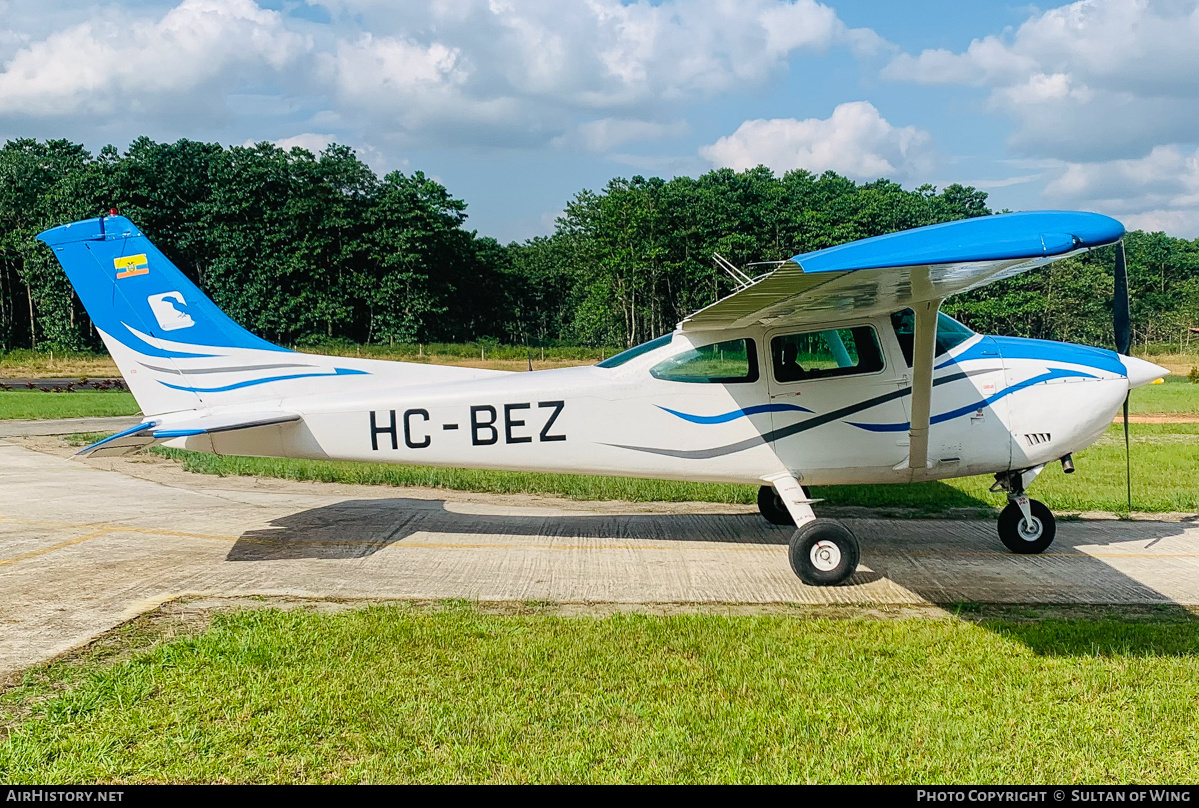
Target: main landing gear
{"points": [[1026, 526], [823, 552]]}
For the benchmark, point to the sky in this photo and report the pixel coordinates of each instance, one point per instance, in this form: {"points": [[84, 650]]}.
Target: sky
{"points": [[517, 105]]}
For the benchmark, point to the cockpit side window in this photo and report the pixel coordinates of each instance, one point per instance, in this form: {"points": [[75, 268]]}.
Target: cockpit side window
{"points": [[728, 362], [825, 354], [950, 333]]}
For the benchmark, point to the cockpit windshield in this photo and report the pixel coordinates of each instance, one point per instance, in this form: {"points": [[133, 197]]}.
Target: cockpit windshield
{"points": [[950, 333], [636, 351]]}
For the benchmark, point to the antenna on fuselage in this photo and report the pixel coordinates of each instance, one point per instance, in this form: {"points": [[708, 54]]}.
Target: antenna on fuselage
{"points": [[739, 278]]}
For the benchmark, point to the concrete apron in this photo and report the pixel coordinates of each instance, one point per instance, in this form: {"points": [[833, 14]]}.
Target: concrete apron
{"points": [[83, 549]]}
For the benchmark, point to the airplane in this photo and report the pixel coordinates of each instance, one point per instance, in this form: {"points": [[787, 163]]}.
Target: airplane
{"points": [[835, 367]]}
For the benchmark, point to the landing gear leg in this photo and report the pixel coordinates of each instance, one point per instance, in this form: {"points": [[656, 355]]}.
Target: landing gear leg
{"points": [[772, 507], [1026, 526], [823, 552]]}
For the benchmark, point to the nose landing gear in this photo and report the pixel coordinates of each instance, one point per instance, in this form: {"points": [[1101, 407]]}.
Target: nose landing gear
{"points": [[1026, 526]]}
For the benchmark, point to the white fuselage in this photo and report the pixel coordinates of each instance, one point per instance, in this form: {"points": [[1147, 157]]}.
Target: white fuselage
{"points": [[997, 404]]}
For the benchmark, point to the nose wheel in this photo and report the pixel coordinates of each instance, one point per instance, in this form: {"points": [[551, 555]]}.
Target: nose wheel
{"points": [[1027, 533]]}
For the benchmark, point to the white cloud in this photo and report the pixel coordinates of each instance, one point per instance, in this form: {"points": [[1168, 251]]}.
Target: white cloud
{"points": [[316, 143], [1093, 80], [1159, 191], [855, 141], [1006, 182], [1177, 223], [535, 67], [135, 67], [603, 135], [591, 75], [313, 142]]}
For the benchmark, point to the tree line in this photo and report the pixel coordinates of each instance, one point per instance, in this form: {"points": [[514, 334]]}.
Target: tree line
{"points": [[304, 249]]}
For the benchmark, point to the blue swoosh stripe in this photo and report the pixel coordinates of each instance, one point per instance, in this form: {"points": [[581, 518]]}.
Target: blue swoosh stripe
{"points": [[1056, 373], [254, 382], [1045, 350], [733, 415]]}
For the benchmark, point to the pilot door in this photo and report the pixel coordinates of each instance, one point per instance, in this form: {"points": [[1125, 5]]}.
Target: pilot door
{"points": [[838, 401]]}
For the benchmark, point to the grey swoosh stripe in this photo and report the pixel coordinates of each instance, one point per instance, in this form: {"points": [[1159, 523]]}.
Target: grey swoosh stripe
{"points": [[787, 431], [199, 371]]}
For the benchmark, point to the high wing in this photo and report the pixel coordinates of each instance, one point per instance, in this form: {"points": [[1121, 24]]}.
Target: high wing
{"points": [[914, 269], [900, 270]]}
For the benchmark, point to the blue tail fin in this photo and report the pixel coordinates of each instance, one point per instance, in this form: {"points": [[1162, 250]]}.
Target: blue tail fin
{"points": [[155, 322], [130, 288]]}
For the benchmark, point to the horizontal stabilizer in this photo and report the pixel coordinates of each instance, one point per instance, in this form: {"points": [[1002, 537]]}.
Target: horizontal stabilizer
{"points": [[125, 442], [149, 433]]}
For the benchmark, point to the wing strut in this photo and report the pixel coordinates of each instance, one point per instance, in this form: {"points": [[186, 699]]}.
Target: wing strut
{"points": [[923, 352]]}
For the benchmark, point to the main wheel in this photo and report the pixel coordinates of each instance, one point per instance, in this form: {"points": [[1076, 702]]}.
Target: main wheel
{"points": [[1022, 536], [771, 506], [824, 553]]}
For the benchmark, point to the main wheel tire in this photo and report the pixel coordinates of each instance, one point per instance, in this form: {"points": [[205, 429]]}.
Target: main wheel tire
{"points": [[824, 552], [1023, 537], [771, 506]]}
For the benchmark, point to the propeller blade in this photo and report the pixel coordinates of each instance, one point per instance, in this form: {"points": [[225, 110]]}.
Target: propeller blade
{"points": [[1122, 325], [1127, 458], [1121, 320]]}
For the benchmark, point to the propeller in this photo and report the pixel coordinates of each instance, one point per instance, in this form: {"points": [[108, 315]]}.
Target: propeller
{"points": [[1122, 324]]}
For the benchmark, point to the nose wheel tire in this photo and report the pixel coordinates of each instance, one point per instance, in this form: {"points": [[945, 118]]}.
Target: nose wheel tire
{"points": [[771, 506], [824, 552], [1023, 536]]}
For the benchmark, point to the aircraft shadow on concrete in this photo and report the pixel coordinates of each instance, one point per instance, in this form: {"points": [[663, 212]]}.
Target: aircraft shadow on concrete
{"points": [[892, 548], [359, 528]]}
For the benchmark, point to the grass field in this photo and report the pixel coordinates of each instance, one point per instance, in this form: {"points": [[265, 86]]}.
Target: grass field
{"points": [[450, 694], [25, 364], [1175, 397], [38, 404]]}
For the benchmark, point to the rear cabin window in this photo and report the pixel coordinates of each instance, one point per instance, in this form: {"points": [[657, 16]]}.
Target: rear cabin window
{"points": [[720, 363], [825, 354], [950, 333]]}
